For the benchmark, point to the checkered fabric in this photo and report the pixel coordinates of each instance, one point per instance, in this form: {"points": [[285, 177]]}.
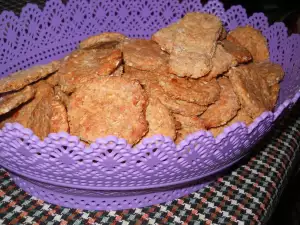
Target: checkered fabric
{"points": [[247, 196]]}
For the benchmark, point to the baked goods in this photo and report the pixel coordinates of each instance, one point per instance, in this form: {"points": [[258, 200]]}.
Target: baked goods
{"points": [[53, 79], [221, 62], [160, 119], [224, 109], [61, 96], [18, 80], [252, 90], [241, 116], [190, 76], [194, 45], [240, 53], [196, 91], [143, 54], [109, 106], [84, 65], [252, 40], [150, 82], [104, 40], [189, 124], [272, 73], [10, 101], [24, 113], [165, 37]]}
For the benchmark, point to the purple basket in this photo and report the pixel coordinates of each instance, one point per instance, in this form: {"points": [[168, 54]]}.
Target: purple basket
{"points": [[110, 174]]}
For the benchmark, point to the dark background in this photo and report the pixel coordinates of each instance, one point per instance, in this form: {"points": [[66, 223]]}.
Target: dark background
{"points": [[287, 11]]}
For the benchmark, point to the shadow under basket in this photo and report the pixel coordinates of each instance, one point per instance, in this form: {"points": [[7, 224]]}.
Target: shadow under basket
{"points": [[110, 174]]}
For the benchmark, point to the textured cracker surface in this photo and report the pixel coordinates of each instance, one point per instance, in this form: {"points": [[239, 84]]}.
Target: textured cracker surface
{"points": [[143, 54], [188, 125], [195, 91], [109, 106], [18, 80], [195, 44], [23, 114], [253, 91], [252, 40], [61, 96], [271, 72], [149, 80], [176, 106], [39, 122], [165, 37], [82, 66], [102, 40], [53, 79], [59, 118], [160, 120], [224, 109], [13, 100], [240, 53], [241, 116], [221, 62]]}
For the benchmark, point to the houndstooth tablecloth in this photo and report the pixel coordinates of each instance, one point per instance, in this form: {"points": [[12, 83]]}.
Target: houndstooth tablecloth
{"points": [[247, 196]]}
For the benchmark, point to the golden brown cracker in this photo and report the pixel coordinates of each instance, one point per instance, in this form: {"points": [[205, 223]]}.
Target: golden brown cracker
{"points": [[42, 89], [59, 119], [195, 91], [61, 96], [49, 116], [271, 72], [253, 91], [82, 66], [253, 40], [241, 116], [18, 80], [198, 32], [174, 105], [109, 106], [224, 109], [53, 79], [195, 44], [39, 121], [24, 113], [240, 53], [165, 37], [10, 101], [149, 81], [143, 54], [189, 64], [103, 40], [188, 125], [221, 63], [144, 77], [160, 120]]}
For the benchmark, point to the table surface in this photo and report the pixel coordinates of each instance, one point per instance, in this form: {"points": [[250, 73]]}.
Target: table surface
{"points": [[246, 196]]}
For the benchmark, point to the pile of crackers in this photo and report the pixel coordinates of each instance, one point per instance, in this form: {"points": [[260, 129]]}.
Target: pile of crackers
{"points": [[191, 76]]}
